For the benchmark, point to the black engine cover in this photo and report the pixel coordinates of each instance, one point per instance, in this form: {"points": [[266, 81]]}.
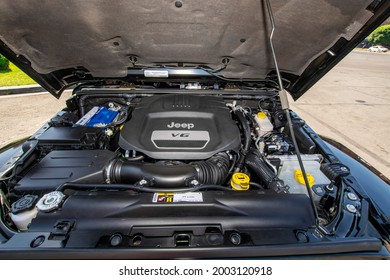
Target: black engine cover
{"points": [[181, 127]]}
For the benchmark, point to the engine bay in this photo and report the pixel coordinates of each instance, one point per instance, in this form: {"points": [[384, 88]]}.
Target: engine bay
{"points": [[171, 141], [167, 170]]}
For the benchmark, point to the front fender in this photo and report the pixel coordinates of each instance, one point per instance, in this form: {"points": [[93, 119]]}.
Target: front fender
{"points": [[374, 183], [10, 153]]}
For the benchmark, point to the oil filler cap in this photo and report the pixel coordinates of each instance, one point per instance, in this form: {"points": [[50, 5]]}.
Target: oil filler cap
{"points": [[240, 181], [50, 201]]}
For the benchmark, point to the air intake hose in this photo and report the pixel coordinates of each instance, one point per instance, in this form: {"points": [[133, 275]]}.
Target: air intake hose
{"points": [[255, 162], [214, 170], [210, 172]]}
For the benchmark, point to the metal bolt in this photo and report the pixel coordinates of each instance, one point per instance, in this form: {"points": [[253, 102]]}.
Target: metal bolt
{"points": [[329, 187], [343, 168], [351, 208], [235, 238], [352, 196], [194, 182]]}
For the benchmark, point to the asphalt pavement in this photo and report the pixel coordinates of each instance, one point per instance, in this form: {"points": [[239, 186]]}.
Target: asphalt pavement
{"points": [[351, 104]]}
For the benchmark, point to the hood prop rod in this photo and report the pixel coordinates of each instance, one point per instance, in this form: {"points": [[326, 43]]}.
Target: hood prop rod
{"points": [[285, 107]]}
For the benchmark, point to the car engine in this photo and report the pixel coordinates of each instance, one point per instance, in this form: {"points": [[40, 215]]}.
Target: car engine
{"points": [[180, 127], [140, 158]]}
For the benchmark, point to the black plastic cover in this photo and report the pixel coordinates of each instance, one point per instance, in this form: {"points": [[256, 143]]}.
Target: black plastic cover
{"points": [[182, 127], [58, 167], [69, 137], [265, 218], [64, 118], [305, 143]]}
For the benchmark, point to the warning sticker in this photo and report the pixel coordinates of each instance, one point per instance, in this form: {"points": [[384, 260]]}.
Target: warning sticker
{"points": [[177, 197], [163, 197]]}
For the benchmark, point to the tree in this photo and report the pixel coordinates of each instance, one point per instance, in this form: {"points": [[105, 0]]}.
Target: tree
{"points": [[381, 35], [4, 63]]}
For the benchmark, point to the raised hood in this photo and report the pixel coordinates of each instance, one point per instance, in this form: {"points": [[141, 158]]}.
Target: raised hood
{"points": [[59, 43]]}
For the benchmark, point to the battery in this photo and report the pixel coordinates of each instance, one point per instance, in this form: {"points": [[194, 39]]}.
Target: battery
{"points": [[97, 117]]}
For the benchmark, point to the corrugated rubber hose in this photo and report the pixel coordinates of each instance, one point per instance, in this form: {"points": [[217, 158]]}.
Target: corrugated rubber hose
{"points": [[255, 162]]}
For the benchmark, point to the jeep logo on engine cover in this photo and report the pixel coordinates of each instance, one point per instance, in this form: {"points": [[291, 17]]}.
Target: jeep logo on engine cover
{"points": [[181, 125]]}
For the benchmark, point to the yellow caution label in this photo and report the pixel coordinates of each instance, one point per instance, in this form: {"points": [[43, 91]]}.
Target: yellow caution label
{"points": [[240, 181], [299, 177], [163, 197]]}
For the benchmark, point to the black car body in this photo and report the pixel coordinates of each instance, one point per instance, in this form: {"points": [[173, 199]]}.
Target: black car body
{"points": [[177, 141]]}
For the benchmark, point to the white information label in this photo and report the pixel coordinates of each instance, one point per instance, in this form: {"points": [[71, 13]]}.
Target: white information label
{"points": [[156, 73], [188, 197]]}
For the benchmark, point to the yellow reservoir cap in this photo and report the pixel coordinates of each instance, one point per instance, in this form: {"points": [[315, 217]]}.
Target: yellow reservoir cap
{"points": [[240, 181], [261, 115], [299, 177]]}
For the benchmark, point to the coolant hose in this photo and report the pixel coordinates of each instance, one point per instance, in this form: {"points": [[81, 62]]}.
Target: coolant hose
{"points": [[246, 131], [255, 162], [210, 172]]}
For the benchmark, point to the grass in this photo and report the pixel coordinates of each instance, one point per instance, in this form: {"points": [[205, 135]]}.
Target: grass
{"points": [[14, 77]]}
